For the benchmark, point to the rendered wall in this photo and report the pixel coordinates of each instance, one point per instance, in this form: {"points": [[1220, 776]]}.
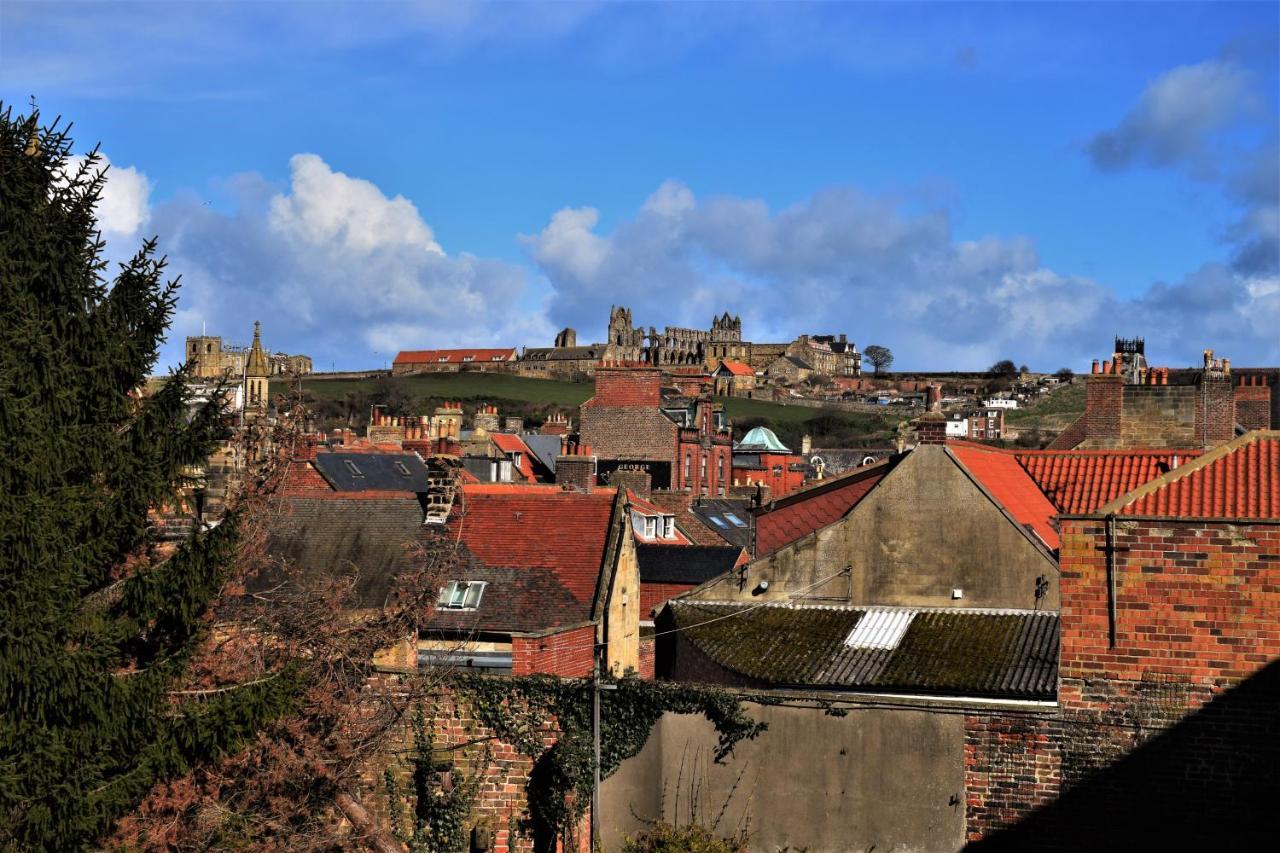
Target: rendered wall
{"points": [[877, 778]]}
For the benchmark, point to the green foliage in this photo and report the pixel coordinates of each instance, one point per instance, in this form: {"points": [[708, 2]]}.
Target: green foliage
{"points": [[665, 838], [442, 797], [1004, 367], [94, 632], [519, 709]]}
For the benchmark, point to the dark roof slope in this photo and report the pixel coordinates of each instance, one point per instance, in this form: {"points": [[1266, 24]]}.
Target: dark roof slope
{"points": [[993, 653], [328, 537], [684, 563], [514, 600], [719, 513], [360, 472]]}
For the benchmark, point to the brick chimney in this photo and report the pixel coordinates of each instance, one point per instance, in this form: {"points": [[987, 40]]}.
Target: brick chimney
{"points": [[513, 424], [486, 418], [633, 477], [933, 397], [1103, 402], [931, 428], [627, 386], [576, 467], [1215, 408]]}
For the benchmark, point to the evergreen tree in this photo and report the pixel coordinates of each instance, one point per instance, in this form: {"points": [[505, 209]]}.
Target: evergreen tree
{"points": [[95, 629]]}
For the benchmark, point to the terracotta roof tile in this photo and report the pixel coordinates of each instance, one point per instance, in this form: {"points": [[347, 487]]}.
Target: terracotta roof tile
{"points": [[1079, 481], [737, 368], [538, 528], [511, 443], [454, 356], [806, 510], [1239, 479], [1010, 486]]}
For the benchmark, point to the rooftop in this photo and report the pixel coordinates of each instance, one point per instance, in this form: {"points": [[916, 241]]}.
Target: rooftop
{"points": [[761, 440], [995, 653], [454, 356], [1010, 486]]}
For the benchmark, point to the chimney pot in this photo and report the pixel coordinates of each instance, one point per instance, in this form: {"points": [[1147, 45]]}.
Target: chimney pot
{"points": [[1096, 367]]}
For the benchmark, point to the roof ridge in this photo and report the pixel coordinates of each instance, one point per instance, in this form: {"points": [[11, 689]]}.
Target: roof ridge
{"points": [[1199, 463], [795, 605]]}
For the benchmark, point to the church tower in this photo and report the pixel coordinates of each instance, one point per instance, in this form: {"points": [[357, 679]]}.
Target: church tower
{"points": [[256, 373]]}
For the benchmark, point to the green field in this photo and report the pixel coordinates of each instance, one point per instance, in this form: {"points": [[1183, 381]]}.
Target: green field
{"points": [[1051, 415], [348, 400]]}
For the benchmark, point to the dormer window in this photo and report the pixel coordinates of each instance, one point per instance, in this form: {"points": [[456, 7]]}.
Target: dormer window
{"points": [[461, 595], [468, 358], [650, 527], [668, 527], [444, 359]]}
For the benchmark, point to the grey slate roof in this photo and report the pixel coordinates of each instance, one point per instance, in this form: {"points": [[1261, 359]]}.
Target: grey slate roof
{"points": [[709, 509], [515, 600], [545, 447], [359, 472], [684, 563], [993, 653]]}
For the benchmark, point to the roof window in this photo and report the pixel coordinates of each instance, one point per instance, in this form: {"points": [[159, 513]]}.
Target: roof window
{"points": [[461, 595], [717, 521], [351, 466], [403, 469], [737, 522], [880, 628]]}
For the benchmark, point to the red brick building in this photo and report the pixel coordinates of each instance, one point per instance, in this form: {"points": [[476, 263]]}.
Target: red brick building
{"points": [[452, 360], [685, 444]]}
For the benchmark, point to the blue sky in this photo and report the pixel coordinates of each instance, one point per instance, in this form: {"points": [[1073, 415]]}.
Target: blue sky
{"points": [[958, 182]]}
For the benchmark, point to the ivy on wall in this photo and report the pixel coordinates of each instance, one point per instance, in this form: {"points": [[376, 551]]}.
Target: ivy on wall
{"points": [[442, 797], [521, 710]]}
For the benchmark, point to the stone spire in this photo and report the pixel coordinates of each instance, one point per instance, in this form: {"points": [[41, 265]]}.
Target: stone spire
{"points": [[257, 364]]}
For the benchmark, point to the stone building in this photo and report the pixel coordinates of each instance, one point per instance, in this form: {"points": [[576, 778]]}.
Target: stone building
{"points": [[257, 374], [214, 359], [677, 346]]}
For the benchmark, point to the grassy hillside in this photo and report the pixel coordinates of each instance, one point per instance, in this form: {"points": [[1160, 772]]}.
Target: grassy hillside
{"points": [[1050, 415], [347, 401]]}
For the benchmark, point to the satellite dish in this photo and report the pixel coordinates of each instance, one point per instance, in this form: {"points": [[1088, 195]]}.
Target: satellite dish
{"points": [[867, 460], [817, 462]]}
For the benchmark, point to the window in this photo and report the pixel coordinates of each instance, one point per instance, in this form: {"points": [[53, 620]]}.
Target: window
{"points": [[461, 595], [650, 527], [717, 521], [442, 359], [737, 521], [403, 469], [351, 466], [688, 464], [517, 459], [468, 358], [704, 468], [668, 527]]}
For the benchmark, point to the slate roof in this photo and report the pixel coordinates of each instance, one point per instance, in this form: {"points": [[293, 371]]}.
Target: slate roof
{"points": [[714, 513], [515, 600], [805, 510], [691, 564], [545, 447], [1080, 481], [991, 653], [1011, 487], [455, 356], [363, 472], [331, 537], [798, 362], [1239, 479]]}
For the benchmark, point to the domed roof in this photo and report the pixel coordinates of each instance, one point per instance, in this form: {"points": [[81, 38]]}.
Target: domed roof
{"points": [[761, 439]]}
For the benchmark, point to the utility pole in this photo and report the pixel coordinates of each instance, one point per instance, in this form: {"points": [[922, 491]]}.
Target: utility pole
{"points": [[595, 733]]}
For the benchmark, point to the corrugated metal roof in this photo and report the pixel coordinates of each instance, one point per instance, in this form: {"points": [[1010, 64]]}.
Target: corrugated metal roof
{"points": [[996, 653]]}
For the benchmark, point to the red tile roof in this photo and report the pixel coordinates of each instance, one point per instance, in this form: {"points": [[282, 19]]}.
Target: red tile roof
{"points": [[737, 368], [454, 356], [806, 510], [537, 527], [1239, 479], [643, 507], [1005, 480], [510, 443], [1079, 481]]}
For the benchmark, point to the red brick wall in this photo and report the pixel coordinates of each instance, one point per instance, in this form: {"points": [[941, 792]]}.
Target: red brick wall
{"points": [[1170, 735], [648, 657], [653, 594], [627, 387], [1253, 405], [568, 654]]}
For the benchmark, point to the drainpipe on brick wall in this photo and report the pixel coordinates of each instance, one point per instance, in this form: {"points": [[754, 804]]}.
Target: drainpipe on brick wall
{"points": [[1111, 578]]}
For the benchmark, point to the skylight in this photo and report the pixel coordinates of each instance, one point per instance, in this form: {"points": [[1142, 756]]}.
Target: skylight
{"points": [[717, 521], [351, 466], [461, 595], [737, 521], [880, 628]]}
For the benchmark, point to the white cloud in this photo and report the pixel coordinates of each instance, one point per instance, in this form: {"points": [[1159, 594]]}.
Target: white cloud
{"points": [[125, 204], [846, 261], [336, 268]]}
